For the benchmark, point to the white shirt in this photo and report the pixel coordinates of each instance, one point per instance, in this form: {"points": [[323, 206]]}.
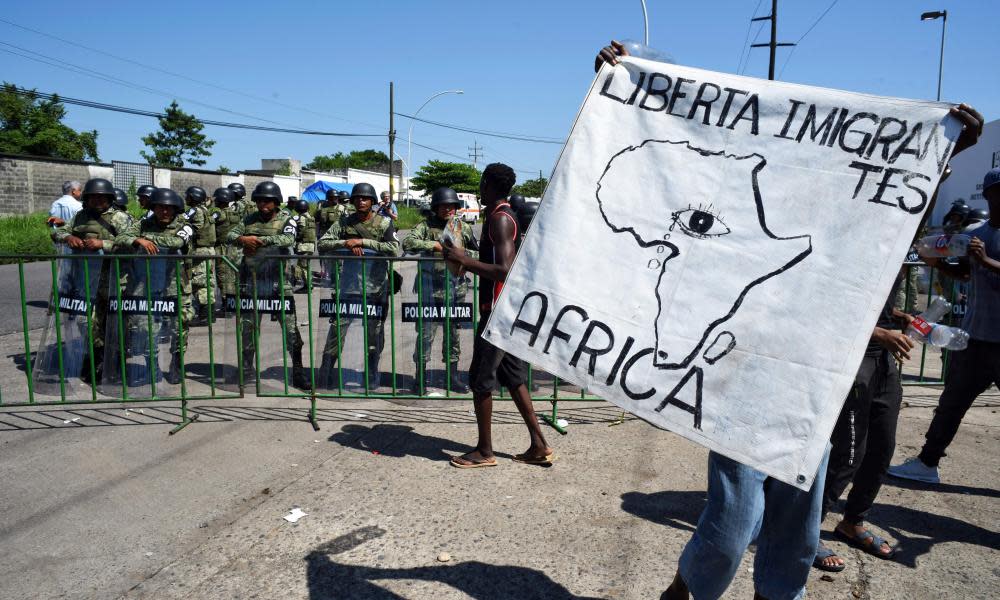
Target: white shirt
{"points": [[65, 208]]}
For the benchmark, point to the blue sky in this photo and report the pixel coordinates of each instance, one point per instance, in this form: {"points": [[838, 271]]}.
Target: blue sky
{"points": [[524, 66]]}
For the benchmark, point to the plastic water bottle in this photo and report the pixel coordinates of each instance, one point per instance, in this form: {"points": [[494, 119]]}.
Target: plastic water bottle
{"points": [[641, 50], [922, 325], [940, 246], [949, 338]]}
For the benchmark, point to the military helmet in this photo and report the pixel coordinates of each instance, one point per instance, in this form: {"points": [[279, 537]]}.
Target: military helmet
{"points": [[195, 195], [238, 190], [266, 190], [121, 199], [444, 195], [516, 202], [525, 216], [343, 196], [363, 190], [301, 206], [332, 194], [98, 187], [166, 197], [145, 191], [977, 215], [223, 196]]}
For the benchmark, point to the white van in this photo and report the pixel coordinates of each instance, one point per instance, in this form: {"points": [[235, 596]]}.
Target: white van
{"points": [[470, 208]]}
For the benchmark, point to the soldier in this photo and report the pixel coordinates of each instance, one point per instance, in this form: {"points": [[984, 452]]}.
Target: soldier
{"points": [[121, 200], [93, 230], [290, 204], [444, 290], [305, 243], [359, 231], [242, 204], [167, 229], [344, 202], [329, 213], [228, 217], [144, 193], [266, 228], [202, 244]]}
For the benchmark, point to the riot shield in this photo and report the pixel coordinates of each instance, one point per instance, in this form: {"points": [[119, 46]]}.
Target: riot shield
{"points": [[350, 347], [271, 343], [437, 326], [145, 334], [64, 367]]}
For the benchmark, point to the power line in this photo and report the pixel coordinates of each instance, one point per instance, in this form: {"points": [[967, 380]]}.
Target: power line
{"points": [[746, 61], [811, 27], [746, 39], [158, 115], [181, 75], [497, 134]]}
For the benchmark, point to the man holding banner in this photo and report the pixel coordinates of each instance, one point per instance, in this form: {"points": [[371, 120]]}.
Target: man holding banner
{"points": [[708, 343]]}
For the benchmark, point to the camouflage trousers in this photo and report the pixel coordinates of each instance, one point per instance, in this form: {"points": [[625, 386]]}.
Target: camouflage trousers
{"points": [[201, 273], [451, 346], [333, 349], [300, 270], [251, 338], [226, 276]]}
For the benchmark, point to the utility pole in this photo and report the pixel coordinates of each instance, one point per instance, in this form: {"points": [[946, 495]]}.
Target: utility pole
{"points": [[475, 153], [392, 142], [773, 44]]}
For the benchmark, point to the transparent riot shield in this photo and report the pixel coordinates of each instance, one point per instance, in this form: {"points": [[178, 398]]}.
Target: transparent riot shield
{"points": [[145, 333], [271, 342], [351, 327], [436, 328], [65, 366]]}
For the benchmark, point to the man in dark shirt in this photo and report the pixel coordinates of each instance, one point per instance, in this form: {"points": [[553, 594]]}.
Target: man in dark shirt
{"points": [[491, 365]]}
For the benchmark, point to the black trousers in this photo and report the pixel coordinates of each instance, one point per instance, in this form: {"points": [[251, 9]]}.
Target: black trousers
{"points": [[864, 438], [970, 373]]}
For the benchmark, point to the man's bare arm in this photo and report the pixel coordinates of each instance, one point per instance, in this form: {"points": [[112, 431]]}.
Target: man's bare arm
{"points": [[502, 232]]}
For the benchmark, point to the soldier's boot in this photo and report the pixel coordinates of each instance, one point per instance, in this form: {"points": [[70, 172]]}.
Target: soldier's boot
{"points": [[200, 318], [456, 384], [300, 378], [152, 370], [299, 286], [419, 376], [374, 376], [173, 375], [85, 369]]}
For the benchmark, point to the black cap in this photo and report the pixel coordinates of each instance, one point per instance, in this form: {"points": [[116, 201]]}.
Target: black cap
{"points": [[444, 195], [223, 196], [195, 195], [266, 190]]}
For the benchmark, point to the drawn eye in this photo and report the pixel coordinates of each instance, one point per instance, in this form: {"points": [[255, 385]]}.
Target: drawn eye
{"points": [[700, 222]]}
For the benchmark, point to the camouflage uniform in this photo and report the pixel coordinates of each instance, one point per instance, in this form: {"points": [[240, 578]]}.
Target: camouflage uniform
{"points": [[226, 275], [174, 236], [202, 244], [434, 283], [277, 234], [105, 227], [305, 245], [329, 214], [377, 234]]}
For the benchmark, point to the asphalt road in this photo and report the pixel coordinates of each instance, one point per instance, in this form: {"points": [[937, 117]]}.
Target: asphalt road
{"points": [[37, 286]]}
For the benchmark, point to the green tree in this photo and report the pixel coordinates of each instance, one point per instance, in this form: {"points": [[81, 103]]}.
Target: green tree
{"points": [[179, 139], [532, 188], [286, 169], [438, 173], [223, 169], [356, 159], [32, 126]]}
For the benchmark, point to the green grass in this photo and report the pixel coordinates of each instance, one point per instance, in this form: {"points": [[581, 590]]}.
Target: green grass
{"points": [[409, 217], [25, 234]]}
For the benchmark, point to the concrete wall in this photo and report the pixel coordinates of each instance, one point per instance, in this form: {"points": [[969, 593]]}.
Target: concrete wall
{"points": [[30, 184]]}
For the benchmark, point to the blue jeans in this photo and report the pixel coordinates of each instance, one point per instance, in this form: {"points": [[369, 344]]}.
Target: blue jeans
{"points": [[744, 504]]}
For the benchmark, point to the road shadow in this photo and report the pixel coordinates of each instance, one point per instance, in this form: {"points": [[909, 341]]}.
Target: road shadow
{"points": [[676, 509], [329, 580], [942, 488], [397, 441]]}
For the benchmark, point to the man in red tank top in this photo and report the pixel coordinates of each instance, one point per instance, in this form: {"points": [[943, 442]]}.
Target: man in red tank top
{"points": [[491, 365]]}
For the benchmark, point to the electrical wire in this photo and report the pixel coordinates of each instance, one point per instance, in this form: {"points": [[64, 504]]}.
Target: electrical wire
{"points": [[508, 136], [181, 75], [746, 39], [811, 27], [755, 38]]}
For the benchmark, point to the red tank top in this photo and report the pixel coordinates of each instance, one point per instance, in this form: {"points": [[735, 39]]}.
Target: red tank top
{"points": [[489, 291]]}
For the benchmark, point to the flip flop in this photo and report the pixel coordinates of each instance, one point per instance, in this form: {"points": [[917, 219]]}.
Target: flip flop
{"points": [[535, 460], [823, 553], [491, 462], [873, 548]]}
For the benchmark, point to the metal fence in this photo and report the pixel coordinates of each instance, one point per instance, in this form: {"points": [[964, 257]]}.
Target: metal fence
{"points": [[352, 327], [127, 173]]}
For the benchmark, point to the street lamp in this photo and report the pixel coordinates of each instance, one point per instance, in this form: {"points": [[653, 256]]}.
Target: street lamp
{"points": [[930, 16], [409, 134]]}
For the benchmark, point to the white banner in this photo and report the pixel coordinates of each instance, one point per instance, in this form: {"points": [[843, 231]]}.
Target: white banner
{"points": [[713, 251]]}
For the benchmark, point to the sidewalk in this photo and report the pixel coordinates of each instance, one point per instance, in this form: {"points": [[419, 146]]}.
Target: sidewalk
{"points": [[110, 506]]}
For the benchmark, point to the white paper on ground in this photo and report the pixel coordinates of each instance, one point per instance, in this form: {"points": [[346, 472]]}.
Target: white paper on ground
{"points": [[712, 252], [295, 515]]}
